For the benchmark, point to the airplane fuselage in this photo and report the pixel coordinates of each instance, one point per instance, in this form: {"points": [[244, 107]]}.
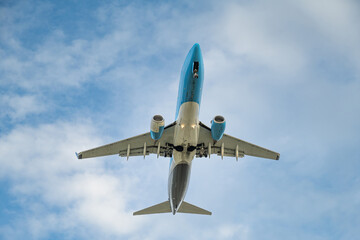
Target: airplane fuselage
{"points": [[187, 126]]}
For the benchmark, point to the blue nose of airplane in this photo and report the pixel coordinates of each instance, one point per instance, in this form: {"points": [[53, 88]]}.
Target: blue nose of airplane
{"points": [[196, 56]]}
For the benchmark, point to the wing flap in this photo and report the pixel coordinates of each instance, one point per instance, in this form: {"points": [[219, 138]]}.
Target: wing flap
{"points": [[248, 148], [233, 147], [134, 146]]}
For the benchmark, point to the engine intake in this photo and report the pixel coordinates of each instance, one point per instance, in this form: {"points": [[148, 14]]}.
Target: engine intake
{"points": [[218, 127], [157, 127]]}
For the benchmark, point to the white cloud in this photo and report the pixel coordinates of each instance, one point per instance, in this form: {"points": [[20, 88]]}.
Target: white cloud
{"points": [[45, 175], [18, 107], [255, 34], [232, 231], [55, 63], [258, 60], [338, 21]]}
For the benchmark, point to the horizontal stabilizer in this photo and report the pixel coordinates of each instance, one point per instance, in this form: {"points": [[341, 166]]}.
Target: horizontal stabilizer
{"points": [[163, 207], [189, 208]]}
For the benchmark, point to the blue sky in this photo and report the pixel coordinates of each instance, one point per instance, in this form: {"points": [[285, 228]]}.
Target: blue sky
{"points": [[78, 74]]}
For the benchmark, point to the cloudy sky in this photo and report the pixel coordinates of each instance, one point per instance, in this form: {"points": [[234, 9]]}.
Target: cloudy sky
{"points": [[78, 74]]}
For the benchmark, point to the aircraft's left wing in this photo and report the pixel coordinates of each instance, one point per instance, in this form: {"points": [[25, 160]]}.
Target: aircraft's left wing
{"points": [[229, 146], [140, 145]]}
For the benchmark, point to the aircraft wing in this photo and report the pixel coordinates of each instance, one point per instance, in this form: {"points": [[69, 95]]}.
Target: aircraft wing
{"points": [[140, 145], [230, 146]]}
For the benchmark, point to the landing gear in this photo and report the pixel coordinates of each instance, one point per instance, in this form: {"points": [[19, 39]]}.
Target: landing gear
{"points": [[201, 151], [179, 148], [195, 69], [191, 148], [168, 151]]}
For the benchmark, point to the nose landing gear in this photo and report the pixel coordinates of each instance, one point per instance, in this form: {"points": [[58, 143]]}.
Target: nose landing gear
{"points": [[195, 69]]}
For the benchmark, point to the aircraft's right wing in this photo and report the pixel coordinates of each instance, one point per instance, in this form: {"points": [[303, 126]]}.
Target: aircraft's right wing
{"points": [[140, 145], [230, 146]]}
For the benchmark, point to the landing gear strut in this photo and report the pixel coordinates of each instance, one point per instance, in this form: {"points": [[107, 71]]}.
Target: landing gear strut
{"points": [[196, 70]]}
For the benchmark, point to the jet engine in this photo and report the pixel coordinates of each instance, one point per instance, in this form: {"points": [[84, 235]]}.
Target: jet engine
{"points": [[218, 127], [157, 127]]}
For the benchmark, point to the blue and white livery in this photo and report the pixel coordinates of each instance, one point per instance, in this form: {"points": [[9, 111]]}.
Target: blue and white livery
{"points": [[182, 140]]}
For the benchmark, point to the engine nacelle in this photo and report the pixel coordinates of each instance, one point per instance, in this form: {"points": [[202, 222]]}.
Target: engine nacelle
{"points": [[218, 127], [157, 127]]}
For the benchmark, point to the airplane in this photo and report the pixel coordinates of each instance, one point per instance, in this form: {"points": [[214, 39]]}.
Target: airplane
{"points": [[182, 140]]}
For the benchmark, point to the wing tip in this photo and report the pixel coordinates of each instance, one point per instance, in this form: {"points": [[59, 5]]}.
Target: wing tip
{"points": [[78, 155]]}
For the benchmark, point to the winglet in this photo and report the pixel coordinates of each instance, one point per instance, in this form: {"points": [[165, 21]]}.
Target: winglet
{"points": [[78, 155]]}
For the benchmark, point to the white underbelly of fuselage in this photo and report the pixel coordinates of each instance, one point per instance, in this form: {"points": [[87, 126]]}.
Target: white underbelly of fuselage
{"points": [[186, 132]]}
